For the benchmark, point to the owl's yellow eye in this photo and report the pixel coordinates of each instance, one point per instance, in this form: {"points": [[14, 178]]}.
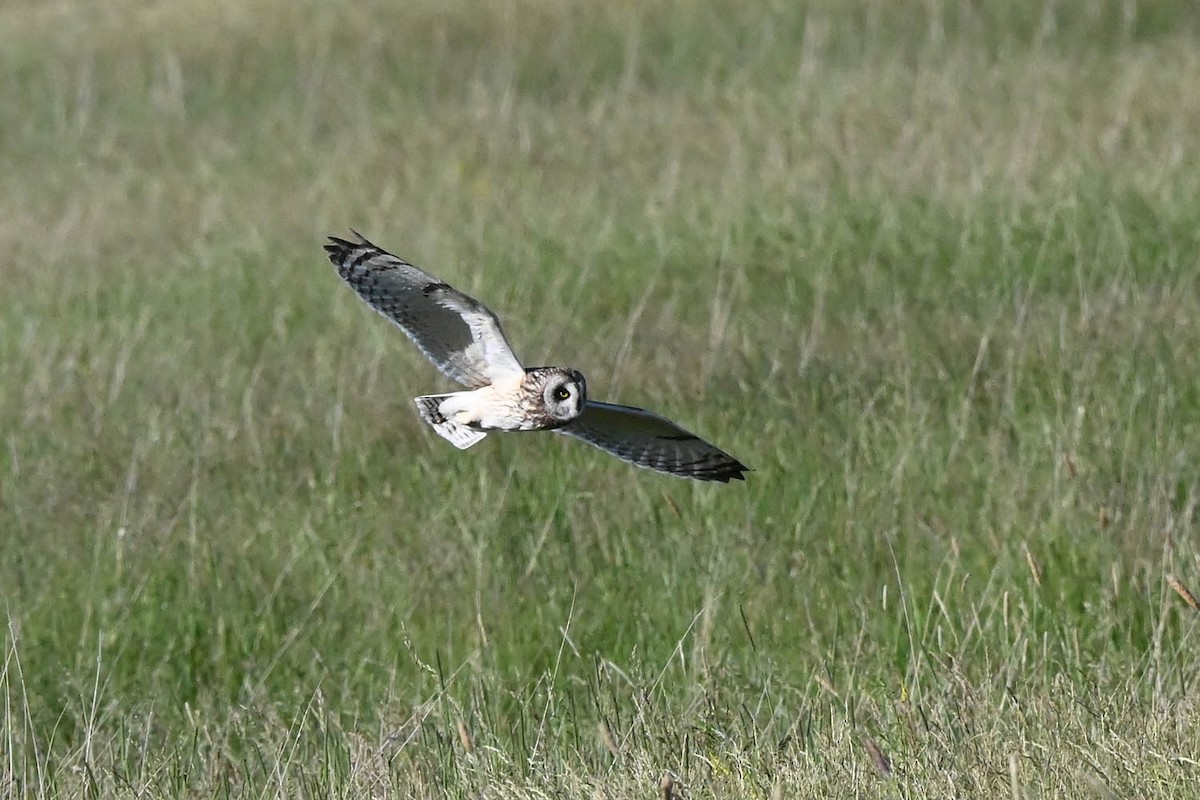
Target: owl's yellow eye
{"points": [[561, 393]]}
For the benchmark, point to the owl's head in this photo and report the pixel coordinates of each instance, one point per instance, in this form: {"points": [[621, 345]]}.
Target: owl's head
{"points": [[564, 393]]}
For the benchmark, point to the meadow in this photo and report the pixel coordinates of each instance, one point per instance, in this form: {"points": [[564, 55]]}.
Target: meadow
{"points": [[932, 270]]}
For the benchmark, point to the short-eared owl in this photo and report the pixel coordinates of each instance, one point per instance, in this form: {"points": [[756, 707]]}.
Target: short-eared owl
{"points": [[464, 340]]}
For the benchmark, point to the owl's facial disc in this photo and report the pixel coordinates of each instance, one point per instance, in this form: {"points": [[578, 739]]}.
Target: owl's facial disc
{"points": [[565, 395]]}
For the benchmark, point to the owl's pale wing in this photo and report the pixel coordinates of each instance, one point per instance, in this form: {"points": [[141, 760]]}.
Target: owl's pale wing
{"points": [[648, 440], [457, 333]]}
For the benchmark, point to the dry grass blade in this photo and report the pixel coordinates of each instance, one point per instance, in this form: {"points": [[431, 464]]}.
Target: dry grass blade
{"points": [[824, 683], [1099, 787], [878, 757], [464, 737], [1183, 592], [1014, 777], [670, 501], [610, 741], [1034, 568]]}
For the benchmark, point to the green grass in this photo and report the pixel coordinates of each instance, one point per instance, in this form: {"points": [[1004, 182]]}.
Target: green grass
{"points": [[932, 270]]}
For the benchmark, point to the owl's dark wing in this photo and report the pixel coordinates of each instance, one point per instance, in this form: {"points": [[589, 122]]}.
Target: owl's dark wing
{"points": [[648, 440], [456, 332]]}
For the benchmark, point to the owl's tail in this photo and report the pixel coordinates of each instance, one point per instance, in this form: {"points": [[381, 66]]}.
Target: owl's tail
{"points": [[430, 408]]}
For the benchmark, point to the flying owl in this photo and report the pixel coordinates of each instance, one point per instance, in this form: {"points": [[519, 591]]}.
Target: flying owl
{"points": [[464, 340]]}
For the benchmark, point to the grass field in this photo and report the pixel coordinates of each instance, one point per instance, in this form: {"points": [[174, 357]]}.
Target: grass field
{"points": [[931, 269]]}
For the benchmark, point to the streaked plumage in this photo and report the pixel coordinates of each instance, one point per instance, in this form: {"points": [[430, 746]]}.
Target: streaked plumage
{"points": [[465, 341]]}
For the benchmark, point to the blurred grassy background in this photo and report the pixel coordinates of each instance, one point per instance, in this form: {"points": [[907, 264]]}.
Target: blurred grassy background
{"points": [[929, 268]]}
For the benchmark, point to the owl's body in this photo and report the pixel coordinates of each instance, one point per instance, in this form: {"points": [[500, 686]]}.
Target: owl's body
{"points": [[531, 402], [464, 340]]}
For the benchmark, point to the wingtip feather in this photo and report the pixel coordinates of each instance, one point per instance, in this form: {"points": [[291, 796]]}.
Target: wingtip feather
{"points": [[338, 248], [725, 473]]}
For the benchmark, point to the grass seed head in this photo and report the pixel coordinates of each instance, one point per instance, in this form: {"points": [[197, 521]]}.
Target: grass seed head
{"points": [[1183, 592]]}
